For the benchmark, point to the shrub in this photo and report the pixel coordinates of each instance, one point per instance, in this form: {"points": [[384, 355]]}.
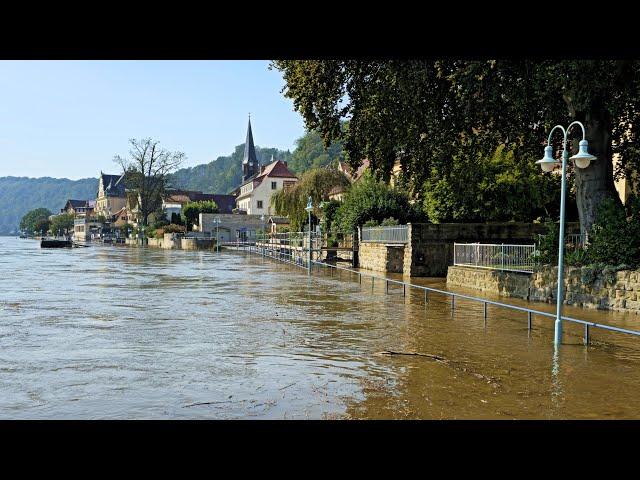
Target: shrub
{"points": [[371, 199], [389, 222], [615, 236], [173, 228], [370, 223]]}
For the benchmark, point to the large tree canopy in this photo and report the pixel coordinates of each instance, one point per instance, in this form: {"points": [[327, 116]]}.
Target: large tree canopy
{"points": [[425, 113]]}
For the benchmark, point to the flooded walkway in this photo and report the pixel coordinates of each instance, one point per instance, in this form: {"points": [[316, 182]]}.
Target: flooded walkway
{"points": [[116, 332]]}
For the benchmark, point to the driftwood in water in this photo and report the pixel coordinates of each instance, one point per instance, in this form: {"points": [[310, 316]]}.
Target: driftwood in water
{"points": [[428, 355]]}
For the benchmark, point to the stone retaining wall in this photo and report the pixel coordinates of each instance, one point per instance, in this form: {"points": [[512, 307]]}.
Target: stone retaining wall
{"points": [[380, 257], [620, 291]]}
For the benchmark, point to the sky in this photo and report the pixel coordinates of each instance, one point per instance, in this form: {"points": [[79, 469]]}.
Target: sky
{"points": [[69, 118]]}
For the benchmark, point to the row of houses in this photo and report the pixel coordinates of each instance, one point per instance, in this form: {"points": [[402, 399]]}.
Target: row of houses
{"points": [[250, 202]]}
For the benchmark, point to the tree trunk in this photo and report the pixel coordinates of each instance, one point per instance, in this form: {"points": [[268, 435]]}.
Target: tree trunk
{"points": [[594, 183]]}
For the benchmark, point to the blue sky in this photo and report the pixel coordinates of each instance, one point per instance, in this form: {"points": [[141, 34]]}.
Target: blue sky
{"points": [[69, 118]]}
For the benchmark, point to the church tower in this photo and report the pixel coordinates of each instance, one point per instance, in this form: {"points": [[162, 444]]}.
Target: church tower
{"points": [[249, 161]]}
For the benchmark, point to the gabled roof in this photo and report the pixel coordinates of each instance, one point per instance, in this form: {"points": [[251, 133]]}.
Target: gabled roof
{"points": [[226, 203], [276, 169], [75, 204], [113, 184]]}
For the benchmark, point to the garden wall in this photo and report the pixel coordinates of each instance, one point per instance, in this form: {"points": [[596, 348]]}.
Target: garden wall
{"points": [[602, 289]]}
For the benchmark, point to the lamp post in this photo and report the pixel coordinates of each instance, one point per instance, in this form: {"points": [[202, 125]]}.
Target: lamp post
{"points": [[582, 160], [309, 209]]}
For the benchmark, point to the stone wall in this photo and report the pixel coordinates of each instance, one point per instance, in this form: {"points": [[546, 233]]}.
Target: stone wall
{"points": [[198, 244], [430, 250], [380, 257], [620, 291], [507, 284]]}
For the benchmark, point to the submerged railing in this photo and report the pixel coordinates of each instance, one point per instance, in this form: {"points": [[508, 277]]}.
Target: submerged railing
{"points": [[253, 249], [515, 258]]}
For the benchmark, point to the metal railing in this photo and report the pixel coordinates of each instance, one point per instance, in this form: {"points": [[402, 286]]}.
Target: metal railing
{"points": [[514, 258], [390, 234], [572, 241], [254, 249]]}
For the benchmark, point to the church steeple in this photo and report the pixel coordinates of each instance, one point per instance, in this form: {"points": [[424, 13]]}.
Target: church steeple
{"points": [[249, 161]]}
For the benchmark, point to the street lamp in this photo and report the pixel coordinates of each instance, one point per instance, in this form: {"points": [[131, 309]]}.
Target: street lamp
{"points": [[309, 209], [582, 160]]}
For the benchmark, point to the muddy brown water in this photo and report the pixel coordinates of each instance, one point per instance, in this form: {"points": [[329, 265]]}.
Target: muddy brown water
{"points": [[117, 332]]}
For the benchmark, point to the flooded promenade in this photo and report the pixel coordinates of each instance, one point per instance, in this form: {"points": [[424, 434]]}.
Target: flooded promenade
{"points": [[133, 333]]}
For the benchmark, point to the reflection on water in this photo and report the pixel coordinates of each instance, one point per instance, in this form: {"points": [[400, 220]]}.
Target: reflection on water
{"points": [[117, 332]]}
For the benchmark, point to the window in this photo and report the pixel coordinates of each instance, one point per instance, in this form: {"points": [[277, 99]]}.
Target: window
{"points": [[274, 185], [259, 203]]}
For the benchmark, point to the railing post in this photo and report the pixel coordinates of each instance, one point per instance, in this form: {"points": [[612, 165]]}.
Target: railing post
{"points": [[453, 303], [586, 334], [386, 288], [529, 315], [485, 312], [404, 290], [426, 298], [502, 256]]}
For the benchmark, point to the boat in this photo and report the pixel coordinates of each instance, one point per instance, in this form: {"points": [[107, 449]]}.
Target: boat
{"points": [[55, 243]]}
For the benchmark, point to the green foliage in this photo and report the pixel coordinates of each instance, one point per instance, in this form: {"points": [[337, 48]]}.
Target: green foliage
{"points": [[548, 244], [35, 220], [499, 188], [192, 210], [317, 184], [223, 174], [371, 223], [310, 153], [176, 219], [372, 199], [389, 222], [329, 210], [18, 195], [62, 223], [615, 236], [41, 225], [576, 257], [430, 114]]}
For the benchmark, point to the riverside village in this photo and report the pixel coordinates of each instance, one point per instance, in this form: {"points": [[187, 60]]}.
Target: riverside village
{"points": [[473, 253]]}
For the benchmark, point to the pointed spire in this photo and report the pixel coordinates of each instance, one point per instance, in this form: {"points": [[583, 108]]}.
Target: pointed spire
{"points": [[249, 148], [272, 159]]}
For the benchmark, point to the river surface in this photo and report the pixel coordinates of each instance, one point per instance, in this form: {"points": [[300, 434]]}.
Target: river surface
{"points": [[111, 332]]}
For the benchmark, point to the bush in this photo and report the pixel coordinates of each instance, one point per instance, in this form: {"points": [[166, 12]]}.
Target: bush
{"points": [[191, 210], [615, 236], [370, 223], [389, 222], [173, 228], [371, 199]]}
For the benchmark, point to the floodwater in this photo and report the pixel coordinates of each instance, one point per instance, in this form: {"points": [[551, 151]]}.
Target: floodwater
{"points": [[128, 333]]}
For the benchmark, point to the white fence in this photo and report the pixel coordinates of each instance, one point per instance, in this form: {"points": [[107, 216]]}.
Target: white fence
{"points": [[391, 234], [515, 258]]}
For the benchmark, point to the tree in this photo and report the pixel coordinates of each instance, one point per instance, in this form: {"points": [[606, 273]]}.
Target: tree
{"points": [[41, 225], [371, 199], [317, 183], [192, 210], [146, 173], [36, 220], [496, 189], [62, 223], [310, 153], [426, 113]]}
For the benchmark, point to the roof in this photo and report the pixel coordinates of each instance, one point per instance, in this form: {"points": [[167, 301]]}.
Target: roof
{"points": [[276, 169], [226, 203], [75, 204], [113, 184], [279, 220]]}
